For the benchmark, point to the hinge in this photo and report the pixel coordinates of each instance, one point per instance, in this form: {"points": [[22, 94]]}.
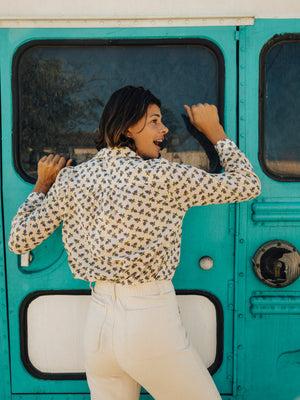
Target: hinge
{"points": [[237, 35], [229, 367], [231, 218], [230, 295]]}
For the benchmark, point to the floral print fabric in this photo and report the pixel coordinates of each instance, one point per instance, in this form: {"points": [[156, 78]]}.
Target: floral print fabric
{"points": [[122, 215]]}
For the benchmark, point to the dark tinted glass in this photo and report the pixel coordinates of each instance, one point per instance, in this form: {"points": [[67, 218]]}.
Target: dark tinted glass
{"points": [[280, 131], [61, 90]]}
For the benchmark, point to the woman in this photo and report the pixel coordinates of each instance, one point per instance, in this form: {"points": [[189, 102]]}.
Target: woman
{"points": [[122, 214]]}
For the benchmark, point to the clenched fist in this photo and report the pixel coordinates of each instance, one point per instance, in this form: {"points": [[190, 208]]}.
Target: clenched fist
{"points": [[48, 169], [205, 118]]}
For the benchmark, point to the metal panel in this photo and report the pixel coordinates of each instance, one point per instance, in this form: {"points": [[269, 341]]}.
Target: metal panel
{"points": [[207, 231], [4, 338], [267, 321]]}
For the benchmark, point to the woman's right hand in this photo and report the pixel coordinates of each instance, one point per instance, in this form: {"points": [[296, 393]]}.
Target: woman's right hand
{"points": [[205, 118], [48, 169]]}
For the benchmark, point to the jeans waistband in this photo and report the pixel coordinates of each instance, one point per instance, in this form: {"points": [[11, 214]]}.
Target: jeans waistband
{"points": [[148, 288]]}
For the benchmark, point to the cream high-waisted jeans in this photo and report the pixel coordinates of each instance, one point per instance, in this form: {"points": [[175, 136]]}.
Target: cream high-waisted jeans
{"points": [[134, 336]]}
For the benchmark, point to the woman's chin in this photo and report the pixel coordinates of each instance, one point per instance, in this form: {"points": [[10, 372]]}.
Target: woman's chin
{"points": [[155, 153]]}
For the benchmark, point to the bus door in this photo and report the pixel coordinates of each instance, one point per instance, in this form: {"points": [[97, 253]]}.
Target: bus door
{"points": [[4, 347], [268, 243], [55, 85]]}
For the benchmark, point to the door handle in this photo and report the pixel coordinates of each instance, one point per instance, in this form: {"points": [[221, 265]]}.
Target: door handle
{"points": [[206, 262], [26, 259]]}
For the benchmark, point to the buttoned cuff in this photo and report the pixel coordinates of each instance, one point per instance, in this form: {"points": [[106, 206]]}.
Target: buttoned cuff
{"points": [[224, 144], [35, 197]]}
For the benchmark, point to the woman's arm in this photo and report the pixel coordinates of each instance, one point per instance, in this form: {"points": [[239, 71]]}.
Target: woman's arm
{"points": [[40, 215], [48, 169], [205, 118], [191, 186]]}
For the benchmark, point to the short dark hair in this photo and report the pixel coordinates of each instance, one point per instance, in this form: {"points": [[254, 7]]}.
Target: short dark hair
{"points": [[125, 108]]}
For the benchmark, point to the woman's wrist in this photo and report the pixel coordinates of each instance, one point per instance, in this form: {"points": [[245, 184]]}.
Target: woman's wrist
{"points": [[42, 187], [216, 135]]}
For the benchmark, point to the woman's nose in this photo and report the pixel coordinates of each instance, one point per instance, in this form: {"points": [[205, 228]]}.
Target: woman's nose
{"points": [[164, 129]]}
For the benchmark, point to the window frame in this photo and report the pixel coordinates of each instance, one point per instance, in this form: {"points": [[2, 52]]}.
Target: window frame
{"points": [[105, 42], [275, 40], [23, 326]]}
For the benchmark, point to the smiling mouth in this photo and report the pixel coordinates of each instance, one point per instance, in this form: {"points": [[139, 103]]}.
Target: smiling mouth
{"points": [[158, 143]]}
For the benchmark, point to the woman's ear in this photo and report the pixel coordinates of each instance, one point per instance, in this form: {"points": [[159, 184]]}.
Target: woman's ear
{"points": [[128, 134]]}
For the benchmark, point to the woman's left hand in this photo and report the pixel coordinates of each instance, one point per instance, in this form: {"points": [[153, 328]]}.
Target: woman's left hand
{"points": [[205, 118], [48, 169]]}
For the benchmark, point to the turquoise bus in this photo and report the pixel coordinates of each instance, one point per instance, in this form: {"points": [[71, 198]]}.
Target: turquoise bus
{"points": [[237, 280]]}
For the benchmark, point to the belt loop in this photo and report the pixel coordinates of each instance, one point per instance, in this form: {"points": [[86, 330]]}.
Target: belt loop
{"points": [[115, 291], [92, 287]]}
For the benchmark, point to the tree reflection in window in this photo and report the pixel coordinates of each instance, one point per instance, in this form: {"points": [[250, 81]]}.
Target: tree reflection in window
{"points": [[60, 91], [280, 105]]}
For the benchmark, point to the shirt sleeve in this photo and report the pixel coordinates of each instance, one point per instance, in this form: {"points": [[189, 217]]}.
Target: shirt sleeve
{"points": [[190, 186], [38, 216]]}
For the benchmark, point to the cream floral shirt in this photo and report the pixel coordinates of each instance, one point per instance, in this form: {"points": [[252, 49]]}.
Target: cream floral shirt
{"points": [[122, 215]]}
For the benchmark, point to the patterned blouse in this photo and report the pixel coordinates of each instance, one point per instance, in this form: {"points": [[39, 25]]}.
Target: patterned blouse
{"points": [[122, 215]]}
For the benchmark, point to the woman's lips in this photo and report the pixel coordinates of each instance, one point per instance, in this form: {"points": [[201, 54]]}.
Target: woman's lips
{"points": [[161, 143]]}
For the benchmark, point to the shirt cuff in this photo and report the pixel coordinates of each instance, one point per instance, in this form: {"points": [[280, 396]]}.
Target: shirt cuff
{"points": [[35, 197], [225, 144]]}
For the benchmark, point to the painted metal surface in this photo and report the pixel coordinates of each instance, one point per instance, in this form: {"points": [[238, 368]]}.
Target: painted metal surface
{"points": [[276, 211], [201, 236], [266, 343], [4, 334], [262, 324], [270, 305]]}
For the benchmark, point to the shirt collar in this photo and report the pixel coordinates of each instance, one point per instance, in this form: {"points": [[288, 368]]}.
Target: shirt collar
{"points": [[117, 152]]}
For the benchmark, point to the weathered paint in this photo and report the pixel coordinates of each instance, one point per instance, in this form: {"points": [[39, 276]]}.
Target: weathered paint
{"points": [[261, 353]]}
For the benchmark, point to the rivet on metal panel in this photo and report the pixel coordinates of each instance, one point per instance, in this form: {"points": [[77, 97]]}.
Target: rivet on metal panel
{"points": [[240, 347], [242, 240], [230, 295], [241, 274], [241, 316]]}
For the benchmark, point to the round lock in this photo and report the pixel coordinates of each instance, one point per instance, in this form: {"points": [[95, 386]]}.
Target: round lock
{"points": [[277, 263], [206, 262]]}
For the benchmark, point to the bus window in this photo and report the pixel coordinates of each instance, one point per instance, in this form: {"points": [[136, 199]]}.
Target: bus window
{"points": [[279, 108], [60, 89]]}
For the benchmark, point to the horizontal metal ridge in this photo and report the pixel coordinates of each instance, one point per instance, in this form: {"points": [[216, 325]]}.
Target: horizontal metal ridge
{"points": [[116, 22], [275, 305], [276, 211]]}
